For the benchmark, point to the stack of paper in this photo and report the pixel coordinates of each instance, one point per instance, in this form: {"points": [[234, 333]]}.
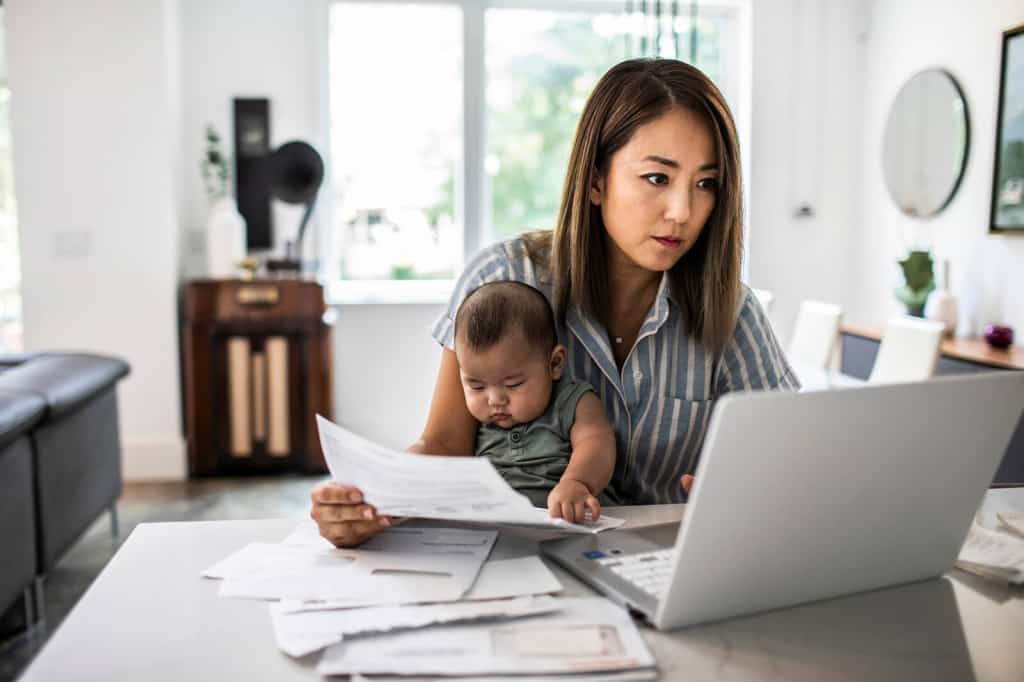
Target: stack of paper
{"points": [[457, 488], [586, 635], [996, 554], [420, 600], [400, 566], [1012, 522]]}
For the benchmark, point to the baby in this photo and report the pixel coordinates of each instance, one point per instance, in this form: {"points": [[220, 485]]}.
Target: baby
{"points": [[547, 436]]}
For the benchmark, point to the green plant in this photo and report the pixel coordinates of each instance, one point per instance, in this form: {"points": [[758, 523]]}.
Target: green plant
{"points": [[215, 166], [919, 281]]}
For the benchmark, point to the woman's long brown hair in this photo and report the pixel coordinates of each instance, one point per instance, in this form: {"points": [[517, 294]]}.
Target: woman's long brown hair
{"points": [[706, 280]]}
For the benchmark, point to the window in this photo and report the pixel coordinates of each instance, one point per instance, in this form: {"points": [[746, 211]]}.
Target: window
{"points": [[451, 121], [10, 271]]}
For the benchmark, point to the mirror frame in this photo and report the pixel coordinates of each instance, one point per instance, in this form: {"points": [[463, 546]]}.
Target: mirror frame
{"points": [[967, 142]]}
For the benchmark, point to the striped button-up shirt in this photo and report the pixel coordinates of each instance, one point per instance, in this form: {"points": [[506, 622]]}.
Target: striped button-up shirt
{"points": [[660, 402]]}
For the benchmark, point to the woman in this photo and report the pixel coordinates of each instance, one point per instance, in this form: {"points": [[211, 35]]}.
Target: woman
{"points": [[642, 270]]}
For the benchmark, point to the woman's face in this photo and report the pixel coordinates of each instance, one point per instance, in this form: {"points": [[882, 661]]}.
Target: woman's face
{"points": [[658, 192]]}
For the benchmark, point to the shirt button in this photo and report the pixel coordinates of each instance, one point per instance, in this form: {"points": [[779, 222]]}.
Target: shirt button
{"points": [[638, 375], [516, 437]]}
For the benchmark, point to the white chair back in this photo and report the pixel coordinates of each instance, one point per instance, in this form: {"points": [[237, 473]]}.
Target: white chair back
{"points": [[908, 352], [765, 298], [814, 336]]}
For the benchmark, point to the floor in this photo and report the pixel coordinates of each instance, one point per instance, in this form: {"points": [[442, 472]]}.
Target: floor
{"points": [[201, 500]]}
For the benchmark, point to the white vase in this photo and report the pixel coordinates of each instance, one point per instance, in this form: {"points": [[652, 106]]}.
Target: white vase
{"points": [[942, 305], [225, 239]]}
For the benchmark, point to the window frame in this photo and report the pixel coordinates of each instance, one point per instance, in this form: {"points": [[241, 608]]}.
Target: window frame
{"points": [[471, 187]]}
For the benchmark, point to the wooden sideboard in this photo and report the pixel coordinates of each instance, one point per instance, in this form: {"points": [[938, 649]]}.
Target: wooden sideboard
{"points": [[257, 371], [859, 346]]}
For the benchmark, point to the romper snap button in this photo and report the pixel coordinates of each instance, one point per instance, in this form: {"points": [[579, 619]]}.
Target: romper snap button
{"points": [[515, 437]]}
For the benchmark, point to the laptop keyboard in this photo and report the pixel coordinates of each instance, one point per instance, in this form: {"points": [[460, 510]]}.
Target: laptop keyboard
{"points": [[647, 570]]}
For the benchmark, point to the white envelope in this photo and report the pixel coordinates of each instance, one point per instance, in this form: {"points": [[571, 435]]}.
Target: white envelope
{"points": [[586, 635], [498, 579], [401, 565], [299, 634]]}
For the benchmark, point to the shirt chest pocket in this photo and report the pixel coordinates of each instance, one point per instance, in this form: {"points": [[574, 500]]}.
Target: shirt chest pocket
{"points": [[683, 422]]}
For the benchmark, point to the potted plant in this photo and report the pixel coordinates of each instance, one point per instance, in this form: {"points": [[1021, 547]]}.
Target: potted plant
{"points": [[918, 281]]}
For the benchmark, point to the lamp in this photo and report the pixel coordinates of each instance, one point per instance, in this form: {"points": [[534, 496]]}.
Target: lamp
{"points": [[296, 171]]}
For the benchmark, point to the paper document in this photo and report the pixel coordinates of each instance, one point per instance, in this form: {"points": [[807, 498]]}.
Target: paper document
{"points": [[498, 579], [1012, 522], [586, 635], [400, 565], [639, 675], [433, 487], [299, 634], [993, 554]]}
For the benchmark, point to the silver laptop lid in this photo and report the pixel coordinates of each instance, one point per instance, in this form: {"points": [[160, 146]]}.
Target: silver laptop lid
{"points": [[804, 496]]}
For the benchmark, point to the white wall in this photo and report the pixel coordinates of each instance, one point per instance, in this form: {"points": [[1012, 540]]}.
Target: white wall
{"points": [[384, 369], [807, 60], [987, 271], [93, 133]]}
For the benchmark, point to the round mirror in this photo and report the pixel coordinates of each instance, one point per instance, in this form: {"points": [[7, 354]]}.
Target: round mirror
{"points": [[925, 146]]}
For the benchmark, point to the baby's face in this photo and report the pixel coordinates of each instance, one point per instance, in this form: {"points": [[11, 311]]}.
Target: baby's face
{"points": [[510, 382]]}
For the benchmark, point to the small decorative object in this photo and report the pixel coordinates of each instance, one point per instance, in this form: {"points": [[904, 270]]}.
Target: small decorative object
{"points": [[999, 336], [1007, 212], [919, 281], [225, 228], [249, 266], [942, 305]]}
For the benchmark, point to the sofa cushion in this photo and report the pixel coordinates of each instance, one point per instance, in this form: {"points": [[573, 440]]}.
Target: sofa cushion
{"points": [[19, 412], [64, 380]]}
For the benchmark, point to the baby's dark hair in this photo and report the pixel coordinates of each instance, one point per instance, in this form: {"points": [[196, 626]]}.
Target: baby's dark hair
{"points": [[491, 310]]}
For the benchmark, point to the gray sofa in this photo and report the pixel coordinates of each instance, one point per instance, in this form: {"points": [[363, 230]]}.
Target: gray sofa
{"points": [[60, 461]]}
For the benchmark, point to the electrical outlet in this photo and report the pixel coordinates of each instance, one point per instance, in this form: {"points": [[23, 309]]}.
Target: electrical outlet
{"points": [[72, 244], [195, 241]]}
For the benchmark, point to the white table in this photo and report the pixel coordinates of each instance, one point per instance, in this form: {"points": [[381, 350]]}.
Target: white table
{"points": [[149, 616], [821, 379]]}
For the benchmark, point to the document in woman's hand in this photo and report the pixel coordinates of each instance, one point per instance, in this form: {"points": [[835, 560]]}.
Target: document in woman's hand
{"points": [[433, 487]]}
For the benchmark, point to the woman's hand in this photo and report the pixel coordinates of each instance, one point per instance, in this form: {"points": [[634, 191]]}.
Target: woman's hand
{"points": [[342, 517], [687, 482], [570, 499]]}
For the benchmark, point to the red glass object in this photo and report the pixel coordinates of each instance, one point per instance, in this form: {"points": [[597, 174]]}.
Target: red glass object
{"points": [[998, 335]]}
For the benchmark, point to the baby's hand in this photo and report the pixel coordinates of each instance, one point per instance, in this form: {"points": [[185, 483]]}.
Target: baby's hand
{"points": [[570, 499]]}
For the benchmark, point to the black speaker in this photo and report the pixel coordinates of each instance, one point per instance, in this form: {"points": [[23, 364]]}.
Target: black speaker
{"points": [[252, 177]]}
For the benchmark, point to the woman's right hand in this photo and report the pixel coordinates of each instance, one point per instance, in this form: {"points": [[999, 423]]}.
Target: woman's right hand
{"points": [[342, 517]]}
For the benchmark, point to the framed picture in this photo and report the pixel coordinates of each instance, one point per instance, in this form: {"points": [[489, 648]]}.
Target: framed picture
{"points": [[1008, 176]]}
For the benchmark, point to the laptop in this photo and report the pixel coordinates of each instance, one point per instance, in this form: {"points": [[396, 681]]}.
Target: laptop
{"points": [[805, 496]]}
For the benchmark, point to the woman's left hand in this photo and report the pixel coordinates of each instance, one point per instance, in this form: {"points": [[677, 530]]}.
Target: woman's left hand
{"points": [[686, 482]]}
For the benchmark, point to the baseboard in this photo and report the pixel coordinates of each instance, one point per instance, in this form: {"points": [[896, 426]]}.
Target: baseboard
{"points": [[149, 459]]}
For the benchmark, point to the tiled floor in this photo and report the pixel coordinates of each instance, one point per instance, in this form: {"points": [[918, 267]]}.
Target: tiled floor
{"points": [[203, 500]]}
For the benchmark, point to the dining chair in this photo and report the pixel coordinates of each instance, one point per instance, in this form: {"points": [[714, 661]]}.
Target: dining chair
{"points": [[908, 352], [815, 333]]}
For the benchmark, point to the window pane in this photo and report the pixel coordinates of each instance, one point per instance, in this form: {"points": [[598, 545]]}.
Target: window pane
{"points": [[396, 137], [10, 271], [541, 66]]}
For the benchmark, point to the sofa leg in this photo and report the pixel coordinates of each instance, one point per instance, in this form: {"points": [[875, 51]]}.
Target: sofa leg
{"points": [[115, 527], [30, 617], [40, 602]]}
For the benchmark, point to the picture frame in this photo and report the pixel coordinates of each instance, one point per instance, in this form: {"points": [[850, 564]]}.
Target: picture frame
{"points": [[1007, 205]]}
